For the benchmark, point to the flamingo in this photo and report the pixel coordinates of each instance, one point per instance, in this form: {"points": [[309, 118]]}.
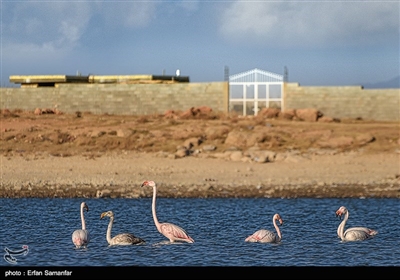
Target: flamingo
{"points": [[354, 233], [80, 237], [122, 238], [171, 231], [267, 236]]}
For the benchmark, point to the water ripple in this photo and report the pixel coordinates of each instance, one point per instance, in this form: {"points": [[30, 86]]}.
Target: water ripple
{"points": [[218, 226]]}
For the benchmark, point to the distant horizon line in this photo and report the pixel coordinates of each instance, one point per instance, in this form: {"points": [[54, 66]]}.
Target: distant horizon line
{"points": [[390, 83]]}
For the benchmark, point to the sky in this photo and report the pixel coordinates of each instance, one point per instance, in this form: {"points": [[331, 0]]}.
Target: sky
{"points": [[319, 43]]}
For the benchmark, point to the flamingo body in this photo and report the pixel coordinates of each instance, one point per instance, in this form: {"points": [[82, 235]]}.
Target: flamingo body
{"points": [[267, 236], [354, 233], [171, 231], [122, 238], [174, 233], [80, 237]]}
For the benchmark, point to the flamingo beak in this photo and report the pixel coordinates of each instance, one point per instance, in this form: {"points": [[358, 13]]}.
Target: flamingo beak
{"points": [[144, 184], [102, 215]]}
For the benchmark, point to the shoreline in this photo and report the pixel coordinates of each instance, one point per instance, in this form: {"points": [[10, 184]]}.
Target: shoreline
{"points": [[119, 175]]}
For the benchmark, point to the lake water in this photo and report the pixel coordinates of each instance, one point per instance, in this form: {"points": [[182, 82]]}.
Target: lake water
{"points": [[218, 226]]}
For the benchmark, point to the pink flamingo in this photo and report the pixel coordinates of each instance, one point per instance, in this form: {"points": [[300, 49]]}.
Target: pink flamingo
{"points": [[172, 232], [354, 233], [80, 237], [267, 236]]}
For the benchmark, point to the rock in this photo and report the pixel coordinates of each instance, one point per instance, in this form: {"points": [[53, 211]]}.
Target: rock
{"points": [[236, 156], [364, 138], [308, 114]]}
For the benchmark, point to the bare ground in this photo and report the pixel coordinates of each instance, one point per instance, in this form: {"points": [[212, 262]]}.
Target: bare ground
{"points": [[86, 155]]}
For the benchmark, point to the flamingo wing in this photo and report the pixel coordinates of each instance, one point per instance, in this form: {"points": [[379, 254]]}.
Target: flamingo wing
{"points": [[126, 239], [365, 229], [359, 233], [262, 235], [174, 233]]}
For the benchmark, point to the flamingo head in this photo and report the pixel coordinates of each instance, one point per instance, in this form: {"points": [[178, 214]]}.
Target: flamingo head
{"points": [[84, 206], [278, 218], [148, 183], [106, 214], [341, 211]]}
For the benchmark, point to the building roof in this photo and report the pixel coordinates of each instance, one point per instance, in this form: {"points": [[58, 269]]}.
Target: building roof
{"points": [[53, 80], [256, 75]]}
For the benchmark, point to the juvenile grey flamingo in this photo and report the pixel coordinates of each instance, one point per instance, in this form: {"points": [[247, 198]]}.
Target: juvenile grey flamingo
{"points": [[122, 238]]}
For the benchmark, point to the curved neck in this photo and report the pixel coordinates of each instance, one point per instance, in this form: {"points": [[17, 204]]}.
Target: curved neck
{"points": [[278, 231], [110, 224], [153, 207], [83, 219], [342, 224]]}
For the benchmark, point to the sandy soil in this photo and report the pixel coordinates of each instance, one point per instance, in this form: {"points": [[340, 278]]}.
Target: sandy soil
{"points": [[90, 161]]}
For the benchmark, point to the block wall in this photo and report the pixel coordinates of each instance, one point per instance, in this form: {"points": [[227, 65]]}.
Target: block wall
{"points": [[122, 99], [137, 99], [345, 101]]}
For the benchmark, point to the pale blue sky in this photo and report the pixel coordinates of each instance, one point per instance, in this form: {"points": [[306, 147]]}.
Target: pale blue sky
{"points": [[320, 42]]}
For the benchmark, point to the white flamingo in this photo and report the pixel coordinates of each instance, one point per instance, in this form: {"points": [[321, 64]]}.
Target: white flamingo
{"points": [[80, 237], [354, 233], [122, 238], [172, 232], [267, 236]]}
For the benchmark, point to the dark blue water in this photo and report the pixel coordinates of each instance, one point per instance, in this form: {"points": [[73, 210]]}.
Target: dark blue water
{"points": [[218, 226]]}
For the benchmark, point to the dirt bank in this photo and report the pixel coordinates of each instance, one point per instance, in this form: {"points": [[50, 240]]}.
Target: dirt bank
{"points": [[85, 155], [343, 175]]}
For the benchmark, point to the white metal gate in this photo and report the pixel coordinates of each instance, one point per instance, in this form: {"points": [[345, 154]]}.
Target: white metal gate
{"points": [[253, 90]]}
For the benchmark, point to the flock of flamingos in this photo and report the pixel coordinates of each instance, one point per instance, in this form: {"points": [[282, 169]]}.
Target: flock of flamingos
{"points": [[174, 233]]}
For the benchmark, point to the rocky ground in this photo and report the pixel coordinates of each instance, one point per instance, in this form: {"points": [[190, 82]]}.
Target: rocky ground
{"points": [[196, 154]]}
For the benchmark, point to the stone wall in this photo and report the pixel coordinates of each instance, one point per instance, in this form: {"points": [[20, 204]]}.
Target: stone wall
{"points": [[137, 99], [121, 99], [345, 101]]}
